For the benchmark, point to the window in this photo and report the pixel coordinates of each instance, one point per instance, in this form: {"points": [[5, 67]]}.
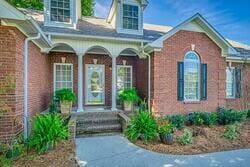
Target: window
{"points": [[130, 17], [60, 10], [124, 77], [63, 76], [191, 77], [230, 83]]}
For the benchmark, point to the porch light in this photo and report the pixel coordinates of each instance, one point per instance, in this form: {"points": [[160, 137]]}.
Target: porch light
{"points": [[63, 59], [124, 62]]}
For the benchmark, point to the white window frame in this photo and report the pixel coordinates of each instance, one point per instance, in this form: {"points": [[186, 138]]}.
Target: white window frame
{"points": [[131, 75], [234, 83], [138, 17], [72, 73], [199, 77], [70, 14]]}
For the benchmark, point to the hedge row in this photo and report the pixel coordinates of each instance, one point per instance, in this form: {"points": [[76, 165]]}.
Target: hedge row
{"points": [[222, 116]]}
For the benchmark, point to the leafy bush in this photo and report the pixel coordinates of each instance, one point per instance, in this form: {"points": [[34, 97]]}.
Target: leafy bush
{"points": [[178, 121], [231, 132], [47, 130], [129, 95], [202, 118], [142, 125], [34, 4], [186, 138], [229, 116], [65, 95], [165, 128], [248, 113]]}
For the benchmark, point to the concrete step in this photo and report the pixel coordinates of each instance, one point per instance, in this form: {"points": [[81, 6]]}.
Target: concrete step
{"points": [[81, 130], [99, 134], [95, 114], [97, 121]]}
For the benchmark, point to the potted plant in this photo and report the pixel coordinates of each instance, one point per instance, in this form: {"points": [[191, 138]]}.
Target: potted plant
{"points": [[66, 98], [128, 97], [166, 131]]}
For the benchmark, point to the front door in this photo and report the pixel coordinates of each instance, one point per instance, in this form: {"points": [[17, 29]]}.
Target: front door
{"points": [[95, 85]]}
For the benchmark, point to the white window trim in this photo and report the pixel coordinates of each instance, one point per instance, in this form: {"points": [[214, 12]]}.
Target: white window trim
{"points": [[199, 78], [140, 18], [72, 73], [234, 84], [86, 84], [127, 29], [131, 75]]}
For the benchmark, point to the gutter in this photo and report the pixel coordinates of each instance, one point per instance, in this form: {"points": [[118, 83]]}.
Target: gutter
{"points": [[26, 55], [97, 37]]}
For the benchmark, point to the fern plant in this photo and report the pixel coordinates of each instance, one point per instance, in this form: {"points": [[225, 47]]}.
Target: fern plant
{"points": [[142, 125], [47, 130]]}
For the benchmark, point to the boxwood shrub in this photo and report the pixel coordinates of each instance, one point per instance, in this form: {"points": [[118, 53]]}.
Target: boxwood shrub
{"points": [[229, 116], [178, 121]]}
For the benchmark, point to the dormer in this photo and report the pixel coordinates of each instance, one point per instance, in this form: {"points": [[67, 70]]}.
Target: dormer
{"points": [[126, 16], [62, 13]]}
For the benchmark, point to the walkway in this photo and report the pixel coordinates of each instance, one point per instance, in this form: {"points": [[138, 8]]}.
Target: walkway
{"points": [[117, 151]]}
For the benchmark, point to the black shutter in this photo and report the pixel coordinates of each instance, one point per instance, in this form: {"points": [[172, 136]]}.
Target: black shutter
{"points": [[238, 82], [203, 82], [180, 80]]}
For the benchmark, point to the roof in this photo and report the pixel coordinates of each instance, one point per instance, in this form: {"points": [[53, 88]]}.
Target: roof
{"points": [[92, 26]]}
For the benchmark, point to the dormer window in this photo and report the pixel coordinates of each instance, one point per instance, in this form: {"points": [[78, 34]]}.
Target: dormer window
{"points": [[130, 17], [60, 11]]}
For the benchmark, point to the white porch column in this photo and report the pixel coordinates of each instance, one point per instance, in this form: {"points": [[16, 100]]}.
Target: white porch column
{"points": [[80, 82], [114, 83]]}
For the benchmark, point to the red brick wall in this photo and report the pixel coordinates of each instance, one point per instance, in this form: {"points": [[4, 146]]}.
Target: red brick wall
{"points": [[164, 69], [142, 78], [11, 62]]}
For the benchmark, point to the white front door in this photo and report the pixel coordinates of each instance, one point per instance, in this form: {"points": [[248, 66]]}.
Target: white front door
{"points": [[95, 84]]}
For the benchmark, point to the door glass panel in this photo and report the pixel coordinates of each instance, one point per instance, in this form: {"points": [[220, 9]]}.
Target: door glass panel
{"points": [[95, 85]]}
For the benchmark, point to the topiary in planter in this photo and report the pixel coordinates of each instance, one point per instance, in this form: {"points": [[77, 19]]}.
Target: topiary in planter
{"points": [[166, 131], [129, 97], [66, 98]]}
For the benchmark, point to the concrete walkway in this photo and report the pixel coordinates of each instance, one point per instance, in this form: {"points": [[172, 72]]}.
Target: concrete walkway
{"points": [[117, 151]]}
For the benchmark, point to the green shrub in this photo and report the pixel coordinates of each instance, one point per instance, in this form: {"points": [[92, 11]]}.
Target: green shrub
{"points": [[65, 95], [231, 132], [229, 116], [142, 125], [178, 121], [248, 113], [5, 162], [186, 138], [165, 128], [47, 130], [129, 95]]}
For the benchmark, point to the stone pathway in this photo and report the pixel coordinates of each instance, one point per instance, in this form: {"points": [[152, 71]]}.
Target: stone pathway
{"points": [[117, 151]]}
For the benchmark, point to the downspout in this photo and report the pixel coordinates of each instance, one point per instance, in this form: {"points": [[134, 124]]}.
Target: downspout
{"points": [[26, 55], [149, 76]]}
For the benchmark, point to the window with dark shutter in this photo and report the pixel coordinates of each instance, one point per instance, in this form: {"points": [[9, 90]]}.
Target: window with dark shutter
{"points": [[238, 82], [180, 80], [203, 81]]}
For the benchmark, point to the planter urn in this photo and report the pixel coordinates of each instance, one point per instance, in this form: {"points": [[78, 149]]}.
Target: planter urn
{"points": [[167, 138], [66, 107], [127, 106]]}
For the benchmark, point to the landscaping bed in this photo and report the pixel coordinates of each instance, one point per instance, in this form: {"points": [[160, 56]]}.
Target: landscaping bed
{"points": [[63, 155], [205, 140]]}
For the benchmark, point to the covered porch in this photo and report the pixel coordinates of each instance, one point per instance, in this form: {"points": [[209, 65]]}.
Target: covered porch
{"points": [[98, 74]]}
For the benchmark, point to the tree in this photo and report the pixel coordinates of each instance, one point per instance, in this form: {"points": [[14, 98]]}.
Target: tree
{"points": [[87, 5]]}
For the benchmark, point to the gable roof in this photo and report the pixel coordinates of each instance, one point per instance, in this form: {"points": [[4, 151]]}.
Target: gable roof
{"points": [[12, 16], [217, 37]]}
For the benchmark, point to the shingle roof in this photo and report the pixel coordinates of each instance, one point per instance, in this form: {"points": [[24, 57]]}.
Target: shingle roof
{"points": [[99, 27]]}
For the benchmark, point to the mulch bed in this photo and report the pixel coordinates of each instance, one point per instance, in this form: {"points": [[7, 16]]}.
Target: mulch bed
{"points": [[205, 140], [63, 155]]}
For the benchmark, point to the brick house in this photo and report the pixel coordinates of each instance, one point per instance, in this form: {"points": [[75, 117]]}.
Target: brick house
{"points": [[181, 69]]}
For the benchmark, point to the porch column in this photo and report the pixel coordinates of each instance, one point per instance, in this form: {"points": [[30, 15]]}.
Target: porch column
{"points": [[80, 83], [114, 83]]}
